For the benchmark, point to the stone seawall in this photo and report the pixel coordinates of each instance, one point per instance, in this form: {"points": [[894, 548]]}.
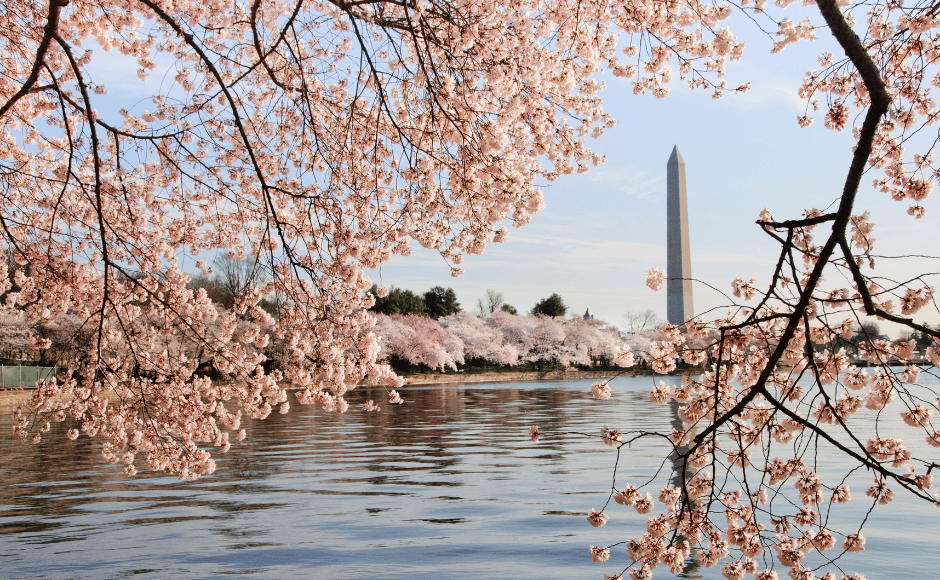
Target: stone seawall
{"points": [[10, 399], [555, 375]]}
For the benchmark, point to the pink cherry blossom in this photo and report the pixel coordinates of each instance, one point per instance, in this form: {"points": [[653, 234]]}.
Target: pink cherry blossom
{"points": [[599, 555], [854, 543], [601, 390], [597, 519], [656, 278], [610, 436]]}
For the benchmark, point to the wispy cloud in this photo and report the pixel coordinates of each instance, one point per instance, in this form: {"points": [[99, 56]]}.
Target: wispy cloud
{"points": [[767, 95], [634, 182], [719, 257], [769, 88], [118, 73]]}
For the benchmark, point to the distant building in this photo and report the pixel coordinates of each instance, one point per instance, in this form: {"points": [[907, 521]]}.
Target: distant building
{"points": [[588, 315]]}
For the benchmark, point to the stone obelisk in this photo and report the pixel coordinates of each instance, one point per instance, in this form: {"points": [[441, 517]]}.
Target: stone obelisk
{"points": [[678, 263]]}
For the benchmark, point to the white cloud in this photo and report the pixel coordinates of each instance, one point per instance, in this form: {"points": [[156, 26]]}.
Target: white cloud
{"points": [[768, 94], [118, 73], [631, 181], [706, 256]]}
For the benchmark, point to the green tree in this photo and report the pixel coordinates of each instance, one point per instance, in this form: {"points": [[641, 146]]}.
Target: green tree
{"points": [[440, 301], [508, 308], [551, 306], [399, 301], [923, 339], [869, 331]]}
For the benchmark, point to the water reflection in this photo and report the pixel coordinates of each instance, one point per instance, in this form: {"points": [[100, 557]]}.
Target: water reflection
{"points": [[447, 484]]}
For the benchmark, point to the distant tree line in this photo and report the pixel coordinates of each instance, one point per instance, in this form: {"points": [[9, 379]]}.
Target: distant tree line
{"points": [[435, 303], [869, 334], [439, 301], [427, 330]]}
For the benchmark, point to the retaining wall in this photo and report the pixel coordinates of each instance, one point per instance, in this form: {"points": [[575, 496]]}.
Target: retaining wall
{"points": [[510, 377]]}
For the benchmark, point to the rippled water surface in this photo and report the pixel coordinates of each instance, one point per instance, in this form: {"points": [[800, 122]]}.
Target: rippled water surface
{"points": [[447, 485]]}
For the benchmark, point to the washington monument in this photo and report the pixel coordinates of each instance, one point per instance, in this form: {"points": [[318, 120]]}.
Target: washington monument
{"points": [[678, 264]]}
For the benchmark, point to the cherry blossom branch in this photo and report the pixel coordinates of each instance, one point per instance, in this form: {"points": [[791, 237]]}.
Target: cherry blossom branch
{"points": [[49, 31]]}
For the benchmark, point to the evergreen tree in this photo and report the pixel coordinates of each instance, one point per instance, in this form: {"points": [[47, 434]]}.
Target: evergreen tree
{"points": [[399, 301], [552, 306], [440, 301]]}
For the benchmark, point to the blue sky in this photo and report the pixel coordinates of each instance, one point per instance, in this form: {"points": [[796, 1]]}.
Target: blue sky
{"points": [[601, 231]]}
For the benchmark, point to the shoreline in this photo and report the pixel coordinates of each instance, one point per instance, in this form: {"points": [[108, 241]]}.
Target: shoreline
{"points": [[510, 377]]}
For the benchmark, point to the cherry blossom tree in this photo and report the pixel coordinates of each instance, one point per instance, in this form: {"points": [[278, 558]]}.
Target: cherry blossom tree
{"points": [[314, 139], [319, 138], [546, 338], [515, 331], [481, 339], [503, 339], [433, 346], [776, 403], [419, 341], [394, 337], [590, 341], [16, 338]]}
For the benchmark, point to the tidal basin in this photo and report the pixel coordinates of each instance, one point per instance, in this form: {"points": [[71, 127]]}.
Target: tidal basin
{"points": [[447, 485]]}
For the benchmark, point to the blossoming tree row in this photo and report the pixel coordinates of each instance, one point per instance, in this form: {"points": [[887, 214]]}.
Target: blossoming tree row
{"points": [[501, 339]]}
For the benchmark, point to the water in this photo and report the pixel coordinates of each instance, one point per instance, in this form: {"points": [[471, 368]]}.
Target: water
{"points": [[447, 485]]}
